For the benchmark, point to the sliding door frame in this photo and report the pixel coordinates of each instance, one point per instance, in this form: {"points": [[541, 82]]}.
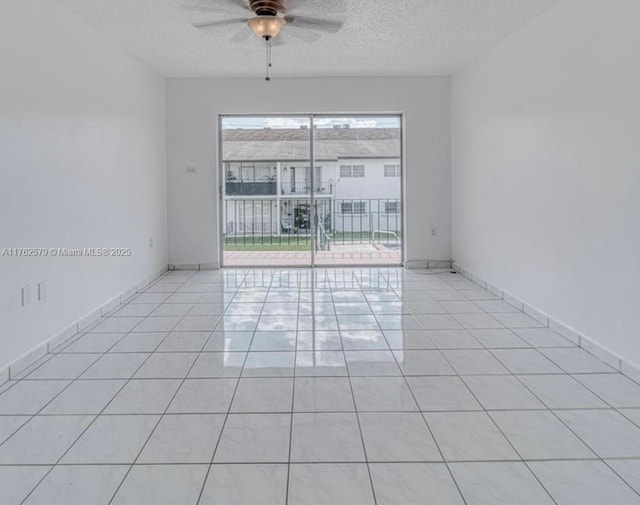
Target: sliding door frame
{"points": [[312, 218]]}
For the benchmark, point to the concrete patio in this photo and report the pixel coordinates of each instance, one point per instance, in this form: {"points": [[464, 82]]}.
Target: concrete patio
{"points": [[361, 254]]}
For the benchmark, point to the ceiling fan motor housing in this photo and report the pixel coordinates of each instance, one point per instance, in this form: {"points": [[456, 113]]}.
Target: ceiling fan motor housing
{"points": [[266, 7]]}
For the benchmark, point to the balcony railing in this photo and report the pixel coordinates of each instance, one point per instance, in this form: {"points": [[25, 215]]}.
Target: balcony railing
{"points": [[286, 224], [269, 188], [251, 188], [324, 188]]}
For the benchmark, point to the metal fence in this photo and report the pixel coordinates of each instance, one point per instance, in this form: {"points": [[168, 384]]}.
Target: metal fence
{"points": [[285, 223], [263, 187], [303, 188]]}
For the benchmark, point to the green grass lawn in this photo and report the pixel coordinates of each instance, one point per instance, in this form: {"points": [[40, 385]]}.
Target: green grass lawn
{"points": [[284, 243], [298, 242]]}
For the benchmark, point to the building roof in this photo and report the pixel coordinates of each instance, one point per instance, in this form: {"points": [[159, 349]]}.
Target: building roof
{"points": [[293, 144]]}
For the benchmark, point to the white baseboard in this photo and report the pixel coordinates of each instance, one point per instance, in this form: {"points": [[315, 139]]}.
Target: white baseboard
{"points": [[4, 374], [410, 264], [422, 264], [195, 266], [587, 343], [29, 358]]}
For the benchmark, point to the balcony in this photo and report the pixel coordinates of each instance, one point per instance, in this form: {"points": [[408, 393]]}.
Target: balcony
{"points": [[251, 188], [269, 232]]}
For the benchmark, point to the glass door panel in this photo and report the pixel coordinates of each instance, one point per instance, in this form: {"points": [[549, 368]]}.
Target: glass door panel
{"points": [[265, 199], [358, 195]]}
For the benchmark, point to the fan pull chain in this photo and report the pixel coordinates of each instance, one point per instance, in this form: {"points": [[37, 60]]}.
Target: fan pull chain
{"points": [[268, 39]]}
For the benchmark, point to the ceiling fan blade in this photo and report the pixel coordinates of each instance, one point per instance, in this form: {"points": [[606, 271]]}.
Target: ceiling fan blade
{"points": [[224, 22], [300, 33], [243, 4], [311, 7], [316, 24], [235, 8]]}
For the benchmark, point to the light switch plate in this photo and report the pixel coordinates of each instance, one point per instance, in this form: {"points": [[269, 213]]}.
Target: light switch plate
{"points": [[42, 290], [26, 296]]}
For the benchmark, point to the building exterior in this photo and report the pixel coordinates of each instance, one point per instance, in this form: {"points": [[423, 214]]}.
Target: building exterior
{"points": [[356, 183]]}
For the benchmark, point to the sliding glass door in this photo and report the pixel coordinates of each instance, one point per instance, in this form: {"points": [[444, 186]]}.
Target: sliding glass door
{"points": [[311, 190]]}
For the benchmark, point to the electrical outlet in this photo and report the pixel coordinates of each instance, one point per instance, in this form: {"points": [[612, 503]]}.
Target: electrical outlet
{"points": [[26, 296], [191, 170], [150, 242], [42, 290], [434, 232]]}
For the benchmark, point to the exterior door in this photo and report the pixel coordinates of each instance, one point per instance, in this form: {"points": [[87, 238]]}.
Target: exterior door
{"points": [[311, 190]]}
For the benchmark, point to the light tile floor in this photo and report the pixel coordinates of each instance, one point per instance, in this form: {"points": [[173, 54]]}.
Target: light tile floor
{"points": [[345, 386]]}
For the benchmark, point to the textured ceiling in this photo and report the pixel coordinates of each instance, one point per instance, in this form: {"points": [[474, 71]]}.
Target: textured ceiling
{"points": [[379, 37]]}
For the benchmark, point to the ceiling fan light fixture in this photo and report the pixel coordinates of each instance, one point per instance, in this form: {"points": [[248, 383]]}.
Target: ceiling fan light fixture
{"points": [[266, 26]]}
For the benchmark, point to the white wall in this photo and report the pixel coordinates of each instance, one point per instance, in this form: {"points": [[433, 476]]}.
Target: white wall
{"points": [[373, 185], [82, 164], [546, 168], [194, 104]]}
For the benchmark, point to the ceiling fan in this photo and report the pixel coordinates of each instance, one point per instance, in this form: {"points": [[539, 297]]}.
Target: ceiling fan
{"points": [[268, 17]]}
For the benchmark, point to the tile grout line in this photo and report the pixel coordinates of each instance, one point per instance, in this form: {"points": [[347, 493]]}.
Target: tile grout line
{"points": [[555, 415], [109, 402], [50, 353], [164, 413], [355, 404], [362, 282], [548, 409], [301, 463], [226, 415], [88, 426], [495, 424], [424, 420], [457, 411], [293, 389], [71, 382], [231, 400]]}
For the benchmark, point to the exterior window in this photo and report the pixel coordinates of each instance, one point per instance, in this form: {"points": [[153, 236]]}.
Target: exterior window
{"points": [[351, 171], [353, 207], [391, 207], [392, 170]]}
